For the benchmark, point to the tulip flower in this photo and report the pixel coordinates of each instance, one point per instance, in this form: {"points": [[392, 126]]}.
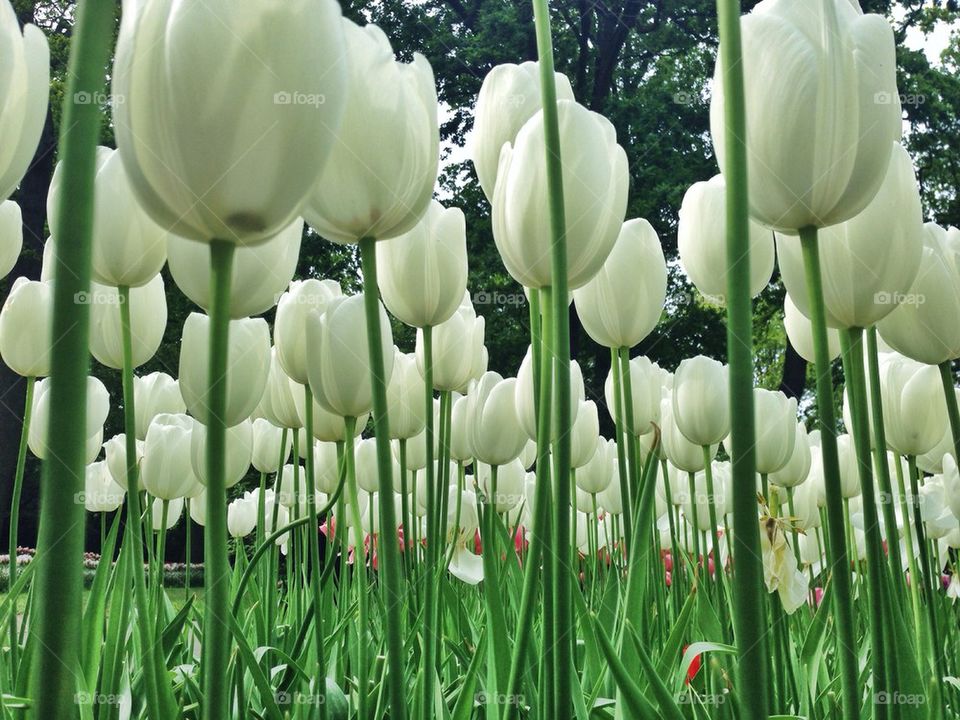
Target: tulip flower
{"points": [[115, 451], [25, 79], [278, 404], [509, 490], [849, 467], [861, 286], [154, 394], [241, 517], [914, 410], [25, 327], [129, 248], [685, 454], [267, 439], [800, 332], [100, 492], [646, 390], [326, 467], [238, 455], [776, 422], [780, 570], [282, 100], [798, 466], [338, 360], [327, 426], [465, 565], [595, 475], [290, 337], [526, 411], [595, 181], [366, 466], [405, 395], [622, 303], [383, 166], [259, 273], [248, 363], [508, 97], [458, 352], [702, 242], [11, 236], [148, 321], [823, 110], [701, 407], [171, 510], [923, 326], [460, 448], [166, 470], [291, 486], [98, 406], [584, 435], [496, 437], [423, 273], [609, 498]]}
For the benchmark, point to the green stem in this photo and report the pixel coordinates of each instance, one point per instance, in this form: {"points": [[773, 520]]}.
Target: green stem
{"points": [[430, 634], [59, 587], [359, 567], [389, 560], [563, 571], [950, 395], [838, 559], [748, 610], [620, 434], [216, 631], [15, 517], [316, 569]]}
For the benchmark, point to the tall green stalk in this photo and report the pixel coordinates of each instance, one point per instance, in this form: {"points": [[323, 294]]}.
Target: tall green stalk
{"points": [[563, 571], [430, 634], [950, 395], [59, 585], [316, 569], [389, 553], [216, 576], [837, 547], [749, 616], [15, 517], [623, 477]]}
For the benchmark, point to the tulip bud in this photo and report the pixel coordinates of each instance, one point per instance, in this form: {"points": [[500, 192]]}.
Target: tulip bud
{"points": [[646, 390], [686, 455], [100, 492], [26, 327], [257, 277], [167, 471], [849, 467], [526, 408], [11, 236], [595, 183], [495, 434], [528, 456], [776, 423], [278, 404], [239, 452], [154, 394], [248, 363], [509, 488], [584, 435], [148, 320], [702, 242], [115, 451], [914, 409], [25, 79], [509, 96], [862, 285], [384, 164], [186, 72], [622, 303], [423, 273], [458, 350], [368, 471], [292, 486], [823, 110], [798, 466], [327, 426], [595, 475], [924, 327], [460, 449], [701, 400], [800, 333], [198, 508], [609, 498], [338, 357], [290, 336], [267, 439], [98, 406], [241, 517], [405, 397], [174, 511], [326, 467]]}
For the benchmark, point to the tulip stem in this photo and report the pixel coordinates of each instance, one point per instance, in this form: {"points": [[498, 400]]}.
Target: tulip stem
{"points": [[15, 517], [316, 570], [359, 565], [563, 571], [389, 560], [59, 585], [618, 428], [837, 550], [630, 437], [430, 588], [950, 395], [748, 609], [216, 635]]}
